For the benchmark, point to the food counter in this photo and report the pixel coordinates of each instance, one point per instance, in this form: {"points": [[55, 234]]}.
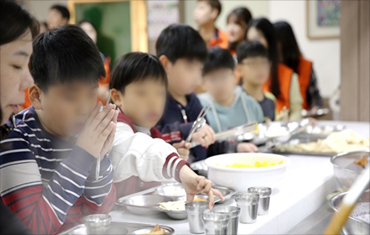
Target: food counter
{"points": [[307, 183]]}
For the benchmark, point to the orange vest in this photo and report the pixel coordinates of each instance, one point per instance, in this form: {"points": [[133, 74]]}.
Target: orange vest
{"points": [[304, 75], [220, 39], [284, 75]]}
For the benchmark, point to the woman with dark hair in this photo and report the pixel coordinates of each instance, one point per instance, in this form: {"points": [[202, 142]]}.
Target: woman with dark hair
{"points": [[283, 82], [17, 29], [237, 22], [92, 32], [291, 56]]}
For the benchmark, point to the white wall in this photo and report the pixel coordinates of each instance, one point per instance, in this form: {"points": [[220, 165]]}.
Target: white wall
{"points": [[324, 53], [40, 8]]}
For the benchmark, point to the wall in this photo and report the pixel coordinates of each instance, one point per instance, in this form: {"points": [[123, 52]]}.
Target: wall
{"points": [[324, 53], [40, 8]]}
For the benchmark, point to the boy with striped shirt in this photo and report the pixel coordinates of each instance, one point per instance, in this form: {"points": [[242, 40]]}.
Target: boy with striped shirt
{"points": [[47, 171]]}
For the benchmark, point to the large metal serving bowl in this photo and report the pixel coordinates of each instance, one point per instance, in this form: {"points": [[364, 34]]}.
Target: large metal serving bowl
{"points": [[359, 220], [345, 169], [240, 179]]}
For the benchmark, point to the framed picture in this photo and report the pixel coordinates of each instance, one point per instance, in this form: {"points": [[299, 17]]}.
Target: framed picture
{"points": [[323, 19]]}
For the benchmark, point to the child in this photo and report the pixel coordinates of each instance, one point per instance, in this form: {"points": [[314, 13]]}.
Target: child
{"points": [[139, 154], [283, 83], [254, 68], [58, 16], [48, 173], [206, 13], [230, 106], [182, 53]]}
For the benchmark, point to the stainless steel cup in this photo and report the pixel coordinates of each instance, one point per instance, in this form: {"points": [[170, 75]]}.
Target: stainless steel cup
{"points": [[195, 216], [234, 213], [97, 224], [216, 223], [248, 203], [264, 202]]}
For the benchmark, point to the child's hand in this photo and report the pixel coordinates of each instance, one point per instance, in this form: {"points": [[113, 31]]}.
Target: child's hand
{"points": [[194, 184], [205, 136], [108, 143], [246, 148], [183, 149], [98, 127]]}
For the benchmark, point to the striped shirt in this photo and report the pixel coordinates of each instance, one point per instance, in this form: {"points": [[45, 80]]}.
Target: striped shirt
{"points": [[50, 183]]}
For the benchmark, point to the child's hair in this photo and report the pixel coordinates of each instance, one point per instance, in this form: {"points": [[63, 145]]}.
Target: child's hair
{"points": [[136, 67], [62, 9], [250, 49], [218, 58], [289, 45], [268, 31], [65, 54], [215, 4], [180, 41]]}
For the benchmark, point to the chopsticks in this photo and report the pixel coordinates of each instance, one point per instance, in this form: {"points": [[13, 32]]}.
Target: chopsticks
{"points": [[198, 124], [97, 170]]}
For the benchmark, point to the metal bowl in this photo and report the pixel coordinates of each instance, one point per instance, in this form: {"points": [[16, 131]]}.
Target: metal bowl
{"points": [[174, 191], [345, 169], [359, 220], [177, 215], [143, 204]]}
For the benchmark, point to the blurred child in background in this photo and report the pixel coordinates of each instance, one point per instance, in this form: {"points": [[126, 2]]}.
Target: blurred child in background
{"points": [[205, 15], [254, 68], [291, 56], [58, 16], [283, 82], [237, 22]]}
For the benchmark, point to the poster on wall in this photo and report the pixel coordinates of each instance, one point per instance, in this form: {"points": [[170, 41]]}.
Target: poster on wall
{"points": [[323, 19]]}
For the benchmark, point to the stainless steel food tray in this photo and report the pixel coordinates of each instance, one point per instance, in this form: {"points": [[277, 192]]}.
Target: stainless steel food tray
{"points": [[119, 228]]}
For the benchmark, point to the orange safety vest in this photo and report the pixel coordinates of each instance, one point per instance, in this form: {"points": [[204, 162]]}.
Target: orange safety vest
{"points": [[285, 76], [304, 75], [220, 39]]}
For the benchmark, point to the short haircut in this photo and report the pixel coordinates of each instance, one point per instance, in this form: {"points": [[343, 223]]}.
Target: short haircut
{"points": [[63, 11], [180, 41], [215, 4], [136, 67], [218, 58], [251, 49], [65, 54]]}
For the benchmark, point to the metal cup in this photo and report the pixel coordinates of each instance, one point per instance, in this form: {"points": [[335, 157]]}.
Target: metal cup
{"points": [[195, 216], [98, 223], [216, 223], [264, 202], [248, 203], [234, 213]]}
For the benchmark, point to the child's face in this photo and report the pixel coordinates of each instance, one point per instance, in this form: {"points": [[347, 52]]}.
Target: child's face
{"points": [[204, 14], [65, 107], [143, 102], [220, 83], [55, 19], [255, 70], [184, 76], [256, 35]]}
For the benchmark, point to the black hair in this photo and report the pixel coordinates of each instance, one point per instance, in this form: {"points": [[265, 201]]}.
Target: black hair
{"points": [[242, 17], [218, 58], [268, 31], [215, 4], [15, 21], [136, 67], [62, 10], [289, 46], [250, 49], [180, 41], [87, 21], [65, 54]]}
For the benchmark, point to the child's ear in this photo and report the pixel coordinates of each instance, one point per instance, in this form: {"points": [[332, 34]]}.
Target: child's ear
{"points": [[35, 94], [116, 97], [165, 62]]}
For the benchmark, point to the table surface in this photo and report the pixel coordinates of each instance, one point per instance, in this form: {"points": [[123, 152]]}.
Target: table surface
{"points": [[304, 189]]}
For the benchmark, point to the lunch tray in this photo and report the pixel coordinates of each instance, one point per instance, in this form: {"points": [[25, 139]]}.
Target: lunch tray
{"points": [[119, 228]]}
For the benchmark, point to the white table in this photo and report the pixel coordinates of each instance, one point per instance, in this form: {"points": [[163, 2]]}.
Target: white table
{"points": [[308, 181]]}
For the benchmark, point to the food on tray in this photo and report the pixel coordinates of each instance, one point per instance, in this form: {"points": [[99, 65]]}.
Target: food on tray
{"points": [[200, 199], [257, 164], [337, 142], [362, 161], [156, 230], [276, 130], [173, 206]]}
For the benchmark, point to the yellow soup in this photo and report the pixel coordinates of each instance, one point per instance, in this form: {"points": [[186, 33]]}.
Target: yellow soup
{"points": [[257, 164]]}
